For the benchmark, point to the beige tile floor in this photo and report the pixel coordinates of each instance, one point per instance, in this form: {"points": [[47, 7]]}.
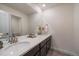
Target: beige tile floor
{"points": [[55, 53]]}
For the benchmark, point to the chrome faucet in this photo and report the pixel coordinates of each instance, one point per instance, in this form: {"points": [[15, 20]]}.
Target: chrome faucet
{"points": [[13, 39], [1, 44]]}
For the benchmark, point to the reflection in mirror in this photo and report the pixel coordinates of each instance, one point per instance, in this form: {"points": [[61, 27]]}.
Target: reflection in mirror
{"points": [[16, 25], [4, 24], [9, 25]]}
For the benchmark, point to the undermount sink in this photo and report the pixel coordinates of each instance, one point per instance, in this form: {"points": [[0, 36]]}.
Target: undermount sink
{"points": [[17, 47], [18, 44]]}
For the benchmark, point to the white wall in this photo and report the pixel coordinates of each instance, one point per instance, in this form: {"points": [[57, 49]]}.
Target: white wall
{"points": [[60, 21], [76, 28], [24, 21]]}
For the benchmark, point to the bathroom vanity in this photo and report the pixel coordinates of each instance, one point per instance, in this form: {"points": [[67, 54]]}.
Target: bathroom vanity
{"points": [[38, 46], [41, 49]]}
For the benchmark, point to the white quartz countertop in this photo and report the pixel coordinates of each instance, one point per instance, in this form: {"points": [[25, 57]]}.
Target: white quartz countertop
{"points": [[18, 50]]}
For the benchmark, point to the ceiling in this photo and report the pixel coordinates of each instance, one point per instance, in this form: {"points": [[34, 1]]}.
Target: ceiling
{"points": [[48, 5], [29, 8], [22, 7]]}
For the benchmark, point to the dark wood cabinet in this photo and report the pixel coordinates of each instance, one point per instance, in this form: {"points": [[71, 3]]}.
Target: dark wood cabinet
{"points": [[37, 54], [48, 45], [33, 51], [41, 49]]}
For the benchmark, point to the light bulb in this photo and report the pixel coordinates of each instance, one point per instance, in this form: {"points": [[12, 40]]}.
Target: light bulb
{"points": [[44, 5]]}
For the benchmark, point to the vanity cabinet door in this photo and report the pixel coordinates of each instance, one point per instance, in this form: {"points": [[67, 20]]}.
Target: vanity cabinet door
{"points": [[43, 48], [43, 43], [37, 54], [33, 51], [43, 51], [48, 45]]}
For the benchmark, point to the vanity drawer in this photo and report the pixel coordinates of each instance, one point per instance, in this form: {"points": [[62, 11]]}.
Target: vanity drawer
{"points": [[49, 38], [32, 52]]}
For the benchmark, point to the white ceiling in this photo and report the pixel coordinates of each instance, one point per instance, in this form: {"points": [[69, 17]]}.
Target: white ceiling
{"points": [[23, 7], [29, 8], [48, 5]]}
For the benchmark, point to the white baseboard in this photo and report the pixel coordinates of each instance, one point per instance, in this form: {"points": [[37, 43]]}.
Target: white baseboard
{"points": [[66, 52]]}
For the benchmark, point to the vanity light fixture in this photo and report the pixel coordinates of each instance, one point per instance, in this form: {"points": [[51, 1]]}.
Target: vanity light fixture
{"points": [[44, 5]]}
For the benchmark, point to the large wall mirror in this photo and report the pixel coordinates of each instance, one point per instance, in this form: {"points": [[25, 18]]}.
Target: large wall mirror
{"points": [[16, 26], [9, 24], [4, 24]]}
